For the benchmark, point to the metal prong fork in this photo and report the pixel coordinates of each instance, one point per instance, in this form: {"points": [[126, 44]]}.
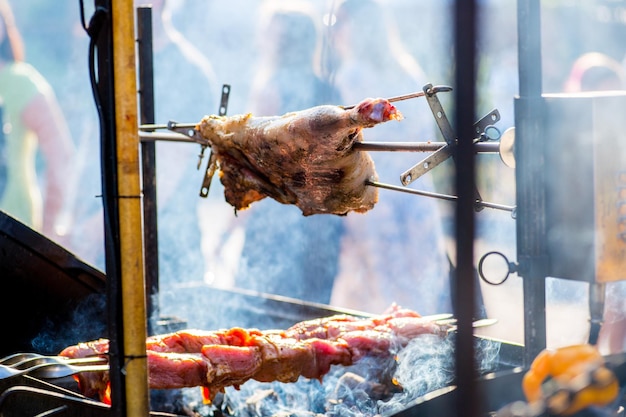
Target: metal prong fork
{"points": [[17, 358], [50, 367], [61, 360]]}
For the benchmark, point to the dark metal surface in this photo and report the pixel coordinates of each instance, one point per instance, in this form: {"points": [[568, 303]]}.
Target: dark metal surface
{"points": [[42, 284], [101, 73], [469, 394], [530, 165], [500, 388], [31, 400], [148, 159], [28, 401]]}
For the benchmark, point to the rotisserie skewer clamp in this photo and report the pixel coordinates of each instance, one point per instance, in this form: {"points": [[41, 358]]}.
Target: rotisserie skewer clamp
{"points": [[484, 129], [486, 141], [193, 133]]}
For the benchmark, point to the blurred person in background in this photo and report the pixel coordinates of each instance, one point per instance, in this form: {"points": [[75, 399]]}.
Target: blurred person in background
{"points": [[34, 127], [288, 76], [595, 71], [395, 252], [185, 89], [284, 252]]}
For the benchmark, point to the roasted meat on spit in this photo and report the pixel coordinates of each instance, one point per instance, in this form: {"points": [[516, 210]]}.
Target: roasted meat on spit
{"points": [[304, 158], [217, 359]]}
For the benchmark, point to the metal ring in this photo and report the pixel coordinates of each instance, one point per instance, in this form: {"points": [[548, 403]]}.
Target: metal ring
{"points": [[480, 268], [491, 133]]}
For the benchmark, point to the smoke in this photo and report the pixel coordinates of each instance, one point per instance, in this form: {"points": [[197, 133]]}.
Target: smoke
{"points": [[87, 321], [373, 386]]}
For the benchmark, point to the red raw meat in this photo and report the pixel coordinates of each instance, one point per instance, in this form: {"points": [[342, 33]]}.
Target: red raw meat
{"points": [[217, 359]]}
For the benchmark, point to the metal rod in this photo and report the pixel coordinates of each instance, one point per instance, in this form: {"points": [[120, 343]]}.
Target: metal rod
{"points": [[411, 190], [150, 127], [394, 99], [163, 136], [437, 88], [468, 403], [439, 196], [148, 161], [480, 147]]}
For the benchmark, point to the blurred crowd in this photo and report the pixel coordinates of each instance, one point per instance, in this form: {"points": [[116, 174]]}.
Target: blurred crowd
{"points": [[278, 56]]}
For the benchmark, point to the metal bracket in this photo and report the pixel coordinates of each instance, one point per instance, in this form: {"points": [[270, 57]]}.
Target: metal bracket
{"points": [[186, 129], [448, 150], [440, 155], [443, 123], [192, 132], [208, 175], [212, 163]]}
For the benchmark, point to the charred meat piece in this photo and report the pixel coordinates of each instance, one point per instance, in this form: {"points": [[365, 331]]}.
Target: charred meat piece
{"points": [[304, 158]]}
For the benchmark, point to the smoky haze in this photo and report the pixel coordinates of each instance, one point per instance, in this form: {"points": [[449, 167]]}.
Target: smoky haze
{"points": [[201, 241]]}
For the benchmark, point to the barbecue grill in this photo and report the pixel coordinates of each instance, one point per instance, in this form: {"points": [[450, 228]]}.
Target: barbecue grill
{"points": [[544, 217]]}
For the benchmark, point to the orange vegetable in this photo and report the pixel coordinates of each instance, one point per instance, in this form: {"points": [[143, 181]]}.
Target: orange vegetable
{"points": [[570, 379]]}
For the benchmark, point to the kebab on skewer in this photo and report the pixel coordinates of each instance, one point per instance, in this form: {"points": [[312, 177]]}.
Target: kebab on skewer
{"points": [[218, 359]]}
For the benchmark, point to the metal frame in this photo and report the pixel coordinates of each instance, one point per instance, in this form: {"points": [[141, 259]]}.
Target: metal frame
{"points": [[532, 262], [530, 225]]}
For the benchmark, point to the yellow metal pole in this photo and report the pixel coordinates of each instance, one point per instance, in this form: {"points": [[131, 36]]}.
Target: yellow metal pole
{"points": [[129, 195]]}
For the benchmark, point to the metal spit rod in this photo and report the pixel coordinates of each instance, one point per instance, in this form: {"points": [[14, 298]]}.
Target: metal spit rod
{"points": [[479, 203], [187, 132], [480, 147], [192, 126], [146, 135], [431, 90]]}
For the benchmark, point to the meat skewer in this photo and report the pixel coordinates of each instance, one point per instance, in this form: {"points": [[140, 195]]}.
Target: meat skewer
{"points": [[217, 359], [190, 126]]}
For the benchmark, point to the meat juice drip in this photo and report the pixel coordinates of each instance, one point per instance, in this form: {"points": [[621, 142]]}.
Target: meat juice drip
{"points": [[370, 387]]}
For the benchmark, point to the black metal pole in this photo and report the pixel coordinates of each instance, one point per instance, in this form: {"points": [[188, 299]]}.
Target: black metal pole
{"points": [[531, 218], [148, 161], [101, 69], [468, 403]]}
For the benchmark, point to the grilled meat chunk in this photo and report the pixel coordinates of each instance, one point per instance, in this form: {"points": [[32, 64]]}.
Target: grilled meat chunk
{"points": [[217, 359], [303, 158]]}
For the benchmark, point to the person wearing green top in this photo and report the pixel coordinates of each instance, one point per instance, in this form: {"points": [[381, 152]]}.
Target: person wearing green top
{"points": [[33, 123]]}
